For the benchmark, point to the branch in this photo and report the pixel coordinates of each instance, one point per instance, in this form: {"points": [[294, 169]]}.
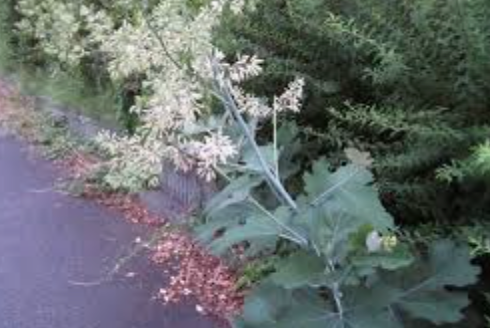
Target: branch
{"points": [[161, 42]]}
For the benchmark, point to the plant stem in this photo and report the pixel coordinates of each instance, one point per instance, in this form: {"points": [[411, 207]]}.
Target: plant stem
{"points": [[297, 238], [337, 295], [161, 42], [276, 156], [271, 178]]}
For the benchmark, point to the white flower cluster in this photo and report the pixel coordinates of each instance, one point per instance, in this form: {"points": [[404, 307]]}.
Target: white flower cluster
{"points": [[253, 106], [247, 67], [171, 47], [135, 162], [127, 49], [67, 31], [57, 35], [375, 242], [216, 149], [290, 100], [164, 47]]}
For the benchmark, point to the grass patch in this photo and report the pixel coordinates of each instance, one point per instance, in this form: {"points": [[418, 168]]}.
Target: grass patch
{"points": [[6, 54], [73, 93], [69, 90], [54, 140]]}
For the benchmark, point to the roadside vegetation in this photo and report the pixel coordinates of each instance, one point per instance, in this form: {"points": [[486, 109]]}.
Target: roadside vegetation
{"points": [[348, 141]]}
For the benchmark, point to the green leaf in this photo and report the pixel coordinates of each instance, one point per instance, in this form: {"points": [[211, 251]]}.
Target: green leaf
{"points": [[269, 306], [447, 265], [358, 157], [450, 264], [287, 133], [252, 163], [348, 192], [316, 181], [357, 241], [267, 303], [397, 258], [419, 292], [235, 192], [438, 307], [222, 220], [289, 146], [299, 270], [257, 227], [337, 205], [245, 222]]}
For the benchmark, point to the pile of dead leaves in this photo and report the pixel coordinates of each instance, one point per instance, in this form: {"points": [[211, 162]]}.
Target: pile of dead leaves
{"points": [[18, 115], [198, 275]]}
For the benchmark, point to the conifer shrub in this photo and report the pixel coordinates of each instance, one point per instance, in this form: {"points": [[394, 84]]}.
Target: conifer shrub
{"points": [[406, 80]]}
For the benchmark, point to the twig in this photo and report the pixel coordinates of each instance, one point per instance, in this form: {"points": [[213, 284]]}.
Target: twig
{"points": [[162, 43], [123, 261]]}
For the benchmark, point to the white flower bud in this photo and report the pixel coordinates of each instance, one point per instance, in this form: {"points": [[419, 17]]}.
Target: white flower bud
{"points": [[374, 242]]}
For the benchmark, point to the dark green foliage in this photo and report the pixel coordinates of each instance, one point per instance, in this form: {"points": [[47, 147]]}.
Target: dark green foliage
{"points": [[125, 101], [408, 81], [392, 301], [6, 35], [86, 87], [329, 277]]}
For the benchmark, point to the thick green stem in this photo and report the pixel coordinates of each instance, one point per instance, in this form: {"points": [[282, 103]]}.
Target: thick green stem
{"points": [[291, 235], [276, 155], [271, 178]]}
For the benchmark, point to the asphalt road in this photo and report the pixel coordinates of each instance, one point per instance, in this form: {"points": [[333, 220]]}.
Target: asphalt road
{"points": [[49, 240]]}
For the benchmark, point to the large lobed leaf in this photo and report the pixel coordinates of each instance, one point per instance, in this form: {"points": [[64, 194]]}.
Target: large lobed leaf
{"points": [[427, 298], [348, 192], [235, 192], [299, 270], [231, 219], [236, 224], [338, 204], [419, 293]]}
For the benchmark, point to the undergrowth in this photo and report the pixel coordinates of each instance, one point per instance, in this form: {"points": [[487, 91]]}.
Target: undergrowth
{"points": [[72, 92], [403, 81]]}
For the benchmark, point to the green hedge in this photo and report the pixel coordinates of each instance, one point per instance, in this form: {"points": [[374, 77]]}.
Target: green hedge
{"points": [[407, 80]]}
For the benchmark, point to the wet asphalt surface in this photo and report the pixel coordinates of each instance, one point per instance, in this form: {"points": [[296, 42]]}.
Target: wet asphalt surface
{"points": [[49, 241]]}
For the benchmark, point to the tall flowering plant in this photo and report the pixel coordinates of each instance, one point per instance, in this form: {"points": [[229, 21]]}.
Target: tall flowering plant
{"points": [[342, 264], [173, 49]]}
